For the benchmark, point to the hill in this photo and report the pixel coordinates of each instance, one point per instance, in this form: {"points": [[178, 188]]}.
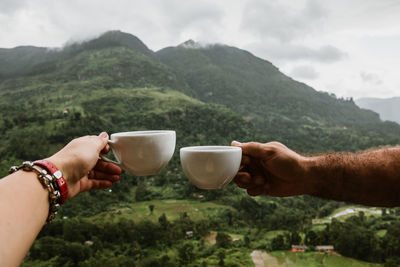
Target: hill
{"points": [[387, 108], [284, 109]]}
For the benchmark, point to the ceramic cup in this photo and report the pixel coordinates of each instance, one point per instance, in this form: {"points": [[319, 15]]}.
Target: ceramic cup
{"points": [[142, 153], [210, 167]]}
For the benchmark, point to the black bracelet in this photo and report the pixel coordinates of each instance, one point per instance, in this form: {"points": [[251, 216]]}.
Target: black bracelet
{"points": [[48, 181]]}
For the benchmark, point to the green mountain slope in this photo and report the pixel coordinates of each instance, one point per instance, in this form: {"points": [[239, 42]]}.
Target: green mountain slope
{"points": [[113, 89], [284, 109], [25, 59], [18, 60]]}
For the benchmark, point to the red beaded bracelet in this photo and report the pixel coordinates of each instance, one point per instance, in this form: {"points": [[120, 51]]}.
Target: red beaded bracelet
{"points": [[61, 183]]}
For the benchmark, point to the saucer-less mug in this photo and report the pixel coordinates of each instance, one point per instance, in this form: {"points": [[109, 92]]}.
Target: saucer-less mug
{"points": [[142, 153], [210, 167]]}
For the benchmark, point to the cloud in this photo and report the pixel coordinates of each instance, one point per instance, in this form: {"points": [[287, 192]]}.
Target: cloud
{"points": [[182, 14], [279, 52], [9, 7], [304, 72], [282, 20], [281, 28], [370, 78]]}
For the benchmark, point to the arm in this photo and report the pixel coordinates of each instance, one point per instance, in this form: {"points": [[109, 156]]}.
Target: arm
{"points": [[369, 178], [24, 202]]}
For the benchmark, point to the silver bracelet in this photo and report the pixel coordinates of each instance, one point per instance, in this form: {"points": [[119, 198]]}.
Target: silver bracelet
{"points": [[48, 182]]}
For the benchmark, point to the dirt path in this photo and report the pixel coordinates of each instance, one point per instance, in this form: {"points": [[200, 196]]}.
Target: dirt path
{"points": [[261, 259], [211, 238]]}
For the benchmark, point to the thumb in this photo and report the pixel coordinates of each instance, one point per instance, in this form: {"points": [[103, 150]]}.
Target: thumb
{"points": [[104, 142], [253, 149]]}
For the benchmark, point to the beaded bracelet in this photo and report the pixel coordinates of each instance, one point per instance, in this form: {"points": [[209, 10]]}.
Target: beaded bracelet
{"points": [[47, 181]]}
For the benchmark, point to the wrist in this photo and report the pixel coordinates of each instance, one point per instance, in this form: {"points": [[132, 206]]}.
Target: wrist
{"points": [[57, 173], [310, 176], [67, 167]]}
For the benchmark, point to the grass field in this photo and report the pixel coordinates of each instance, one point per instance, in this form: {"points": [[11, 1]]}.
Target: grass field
{"points": [[138, 211], [311, 259], [347, 211]]}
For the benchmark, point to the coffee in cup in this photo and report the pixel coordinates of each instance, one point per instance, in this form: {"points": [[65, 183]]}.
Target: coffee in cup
{"points": [[210, 167], [142, 153]]}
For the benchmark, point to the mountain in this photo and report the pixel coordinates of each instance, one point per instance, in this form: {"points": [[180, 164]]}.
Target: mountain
{"points": [[284, 109], [387, 108], [17, 60], [115, 87]]}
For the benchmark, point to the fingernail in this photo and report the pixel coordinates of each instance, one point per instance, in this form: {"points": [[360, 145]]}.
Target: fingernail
{"points": [[103, 134], [236, 143]]}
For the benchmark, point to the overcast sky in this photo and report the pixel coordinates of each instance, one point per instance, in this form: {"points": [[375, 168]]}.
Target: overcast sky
{"points": [[350, 48]]}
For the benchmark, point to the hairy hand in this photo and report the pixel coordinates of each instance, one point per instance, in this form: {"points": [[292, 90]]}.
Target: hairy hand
{"points": [[272, 169]]}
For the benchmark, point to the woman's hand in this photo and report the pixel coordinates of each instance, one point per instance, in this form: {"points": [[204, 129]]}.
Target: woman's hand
{"points": [[273, 169], [80, 164]]}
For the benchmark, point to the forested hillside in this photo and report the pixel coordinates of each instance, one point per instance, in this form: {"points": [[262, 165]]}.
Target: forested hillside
{"points": [[209, 96], [285, 109]]}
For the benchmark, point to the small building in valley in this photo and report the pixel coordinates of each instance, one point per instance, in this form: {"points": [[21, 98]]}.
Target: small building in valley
{"points": [[327, 248], [298, 248]]}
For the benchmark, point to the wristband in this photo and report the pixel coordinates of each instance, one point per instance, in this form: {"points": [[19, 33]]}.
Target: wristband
{"points": [[61, 183], [47, 182]]}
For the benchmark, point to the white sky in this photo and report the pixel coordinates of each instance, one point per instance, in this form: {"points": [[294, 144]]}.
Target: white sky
{"points": [[350, 48]]}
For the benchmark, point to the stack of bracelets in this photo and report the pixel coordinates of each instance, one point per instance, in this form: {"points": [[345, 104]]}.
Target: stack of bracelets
{"points": [[51, 179]]}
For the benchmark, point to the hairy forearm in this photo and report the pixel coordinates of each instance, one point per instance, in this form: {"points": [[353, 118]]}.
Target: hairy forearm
{"points": [[369, 178]]}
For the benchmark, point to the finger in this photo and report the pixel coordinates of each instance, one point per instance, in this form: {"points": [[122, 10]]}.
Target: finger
{"points": [[266, 189], [258, 180], [102, 142], [255, 149], [92, 184], [244, 186], [106, 149], [255, 191], [108, 167], [98, 184], [98, 175], [243, 177], [245, 160]]}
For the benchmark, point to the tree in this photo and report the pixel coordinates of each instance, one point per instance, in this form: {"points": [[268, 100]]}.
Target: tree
{"points": [[246, 241], [278, 243], [141, 193], [295, 238], [311, 238], [163, 221], [221, 256], [185, 253], [151, 208], [223, 240]]}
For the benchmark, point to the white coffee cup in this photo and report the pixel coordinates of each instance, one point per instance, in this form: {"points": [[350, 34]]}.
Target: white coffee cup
{"points": [[210, 167], [142, 153]]}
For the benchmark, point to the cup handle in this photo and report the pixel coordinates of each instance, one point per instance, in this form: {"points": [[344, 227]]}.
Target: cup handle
{"points": [[110, 142], [109, 160]]}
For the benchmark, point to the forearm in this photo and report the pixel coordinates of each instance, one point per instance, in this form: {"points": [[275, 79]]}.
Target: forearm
{"points": [[369, 178], [24, 207]]}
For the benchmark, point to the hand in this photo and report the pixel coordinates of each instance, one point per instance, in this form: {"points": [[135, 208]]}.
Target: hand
{"points": [[80, 164], [272, 169]]}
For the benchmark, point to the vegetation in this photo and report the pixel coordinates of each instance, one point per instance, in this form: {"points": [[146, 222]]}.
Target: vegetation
{"points": [[209, 96]]}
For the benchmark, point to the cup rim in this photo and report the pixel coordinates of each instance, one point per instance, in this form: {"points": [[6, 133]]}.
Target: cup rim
{"points": [[141, 133], [208, 149]]}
